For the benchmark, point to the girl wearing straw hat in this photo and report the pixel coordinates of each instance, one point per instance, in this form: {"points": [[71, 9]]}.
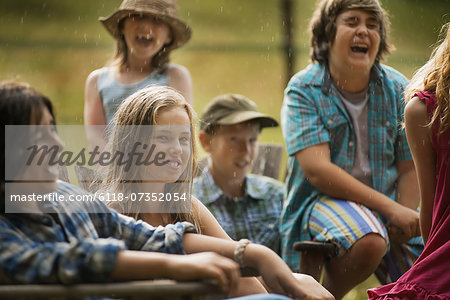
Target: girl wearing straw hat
{"points": [[146, 32]]}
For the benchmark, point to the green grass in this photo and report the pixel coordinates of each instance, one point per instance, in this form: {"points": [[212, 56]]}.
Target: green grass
{"points": [[235, 47]]}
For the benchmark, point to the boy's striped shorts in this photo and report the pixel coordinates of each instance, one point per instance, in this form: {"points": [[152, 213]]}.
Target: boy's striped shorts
{"points": [[345, 222]]}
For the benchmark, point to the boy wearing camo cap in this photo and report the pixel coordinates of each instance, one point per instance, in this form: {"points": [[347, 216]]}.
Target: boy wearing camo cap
{"points": [[246, 205]]}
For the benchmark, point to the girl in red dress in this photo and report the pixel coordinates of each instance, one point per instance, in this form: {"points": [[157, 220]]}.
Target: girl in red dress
{"points": [[427, 121]]}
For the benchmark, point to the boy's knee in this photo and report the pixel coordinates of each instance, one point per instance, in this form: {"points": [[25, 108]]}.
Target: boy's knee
{"points": [[370, 248]]}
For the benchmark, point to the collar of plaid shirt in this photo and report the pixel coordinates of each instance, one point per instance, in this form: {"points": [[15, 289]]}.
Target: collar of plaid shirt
{"points": [[215, 193]]}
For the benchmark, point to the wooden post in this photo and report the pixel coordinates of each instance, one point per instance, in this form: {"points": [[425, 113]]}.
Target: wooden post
{"points": [[288, 40]]}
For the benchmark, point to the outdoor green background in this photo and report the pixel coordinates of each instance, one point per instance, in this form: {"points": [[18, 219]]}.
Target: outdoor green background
{"points": [[236, 47]]}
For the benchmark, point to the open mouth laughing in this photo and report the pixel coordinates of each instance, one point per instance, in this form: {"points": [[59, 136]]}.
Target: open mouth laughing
{"points": [[360, 48], [144, 39]]}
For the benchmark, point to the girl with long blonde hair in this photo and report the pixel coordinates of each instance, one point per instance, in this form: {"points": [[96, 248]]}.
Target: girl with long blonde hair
{"points": [[427, 122], [137, 121], [160, 117]]}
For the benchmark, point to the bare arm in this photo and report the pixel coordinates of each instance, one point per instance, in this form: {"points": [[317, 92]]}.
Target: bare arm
{"points": [[136, 265], [180, 79], [408, 196], [211, 227], [332, 180], [93, 112], [419, 139], [273, 269], [407, 188], [93, 107], [208, 222]]}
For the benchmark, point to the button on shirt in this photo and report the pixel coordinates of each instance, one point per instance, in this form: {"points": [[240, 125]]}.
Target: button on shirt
{"points": [[255, 216], [312, 113], [77, 243]]}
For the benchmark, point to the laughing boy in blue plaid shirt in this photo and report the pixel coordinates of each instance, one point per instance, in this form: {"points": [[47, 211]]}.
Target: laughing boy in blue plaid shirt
{"points": [[245, 205], [351, 177]]}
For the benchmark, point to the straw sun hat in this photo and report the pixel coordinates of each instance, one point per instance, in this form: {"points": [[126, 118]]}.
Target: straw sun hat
{"points": [[164, 10]]}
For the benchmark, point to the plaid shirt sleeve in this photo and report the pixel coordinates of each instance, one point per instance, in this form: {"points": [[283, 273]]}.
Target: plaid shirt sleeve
{"points": [[139, 235], [301, 123], [23, 259], [82, 248]]}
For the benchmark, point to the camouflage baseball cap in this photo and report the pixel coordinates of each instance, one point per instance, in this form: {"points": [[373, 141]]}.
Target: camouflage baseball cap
{"points": [[230, 109]]}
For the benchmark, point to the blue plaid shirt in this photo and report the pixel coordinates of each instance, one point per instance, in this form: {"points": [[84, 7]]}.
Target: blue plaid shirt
{"points": [[255, 216], [81, 247], [312, 113]]}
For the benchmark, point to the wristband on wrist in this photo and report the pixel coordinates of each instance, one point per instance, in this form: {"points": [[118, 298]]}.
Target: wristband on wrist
{"points": [[239, 251]]}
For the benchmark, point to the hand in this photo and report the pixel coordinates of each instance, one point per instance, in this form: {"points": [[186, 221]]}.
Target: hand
{"points": [[205, 265], [403, 224], [315, 289], [279, 278], [396, 234], [298, 286]]}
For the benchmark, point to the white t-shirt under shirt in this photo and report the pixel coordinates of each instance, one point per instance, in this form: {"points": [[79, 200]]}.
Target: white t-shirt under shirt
{"points": [[357, 108]]}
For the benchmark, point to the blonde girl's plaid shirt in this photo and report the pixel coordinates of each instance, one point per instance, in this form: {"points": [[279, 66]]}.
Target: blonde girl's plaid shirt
{"points": [[312, 113], [82, 247], [255, 216]]}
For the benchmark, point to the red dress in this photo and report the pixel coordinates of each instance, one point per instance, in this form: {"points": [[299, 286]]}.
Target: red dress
{"points": [[429, 277]]}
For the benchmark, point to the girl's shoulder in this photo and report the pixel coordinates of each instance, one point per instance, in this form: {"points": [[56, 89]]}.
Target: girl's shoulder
{"points": [[416, 110], [180, 79], [177, 70], [94, 75], [424, 99]]}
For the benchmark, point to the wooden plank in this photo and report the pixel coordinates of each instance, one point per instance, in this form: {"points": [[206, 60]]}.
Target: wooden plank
{"points": [[163, 289], [268, 161]]}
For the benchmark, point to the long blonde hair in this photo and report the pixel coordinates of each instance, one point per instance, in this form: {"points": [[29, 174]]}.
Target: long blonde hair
{"points": [[143, 108], [434, 77]]}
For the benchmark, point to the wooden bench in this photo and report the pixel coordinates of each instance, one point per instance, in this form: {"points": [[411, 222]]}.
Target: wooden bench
{"points": [[313, 256], [145, 289]]}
